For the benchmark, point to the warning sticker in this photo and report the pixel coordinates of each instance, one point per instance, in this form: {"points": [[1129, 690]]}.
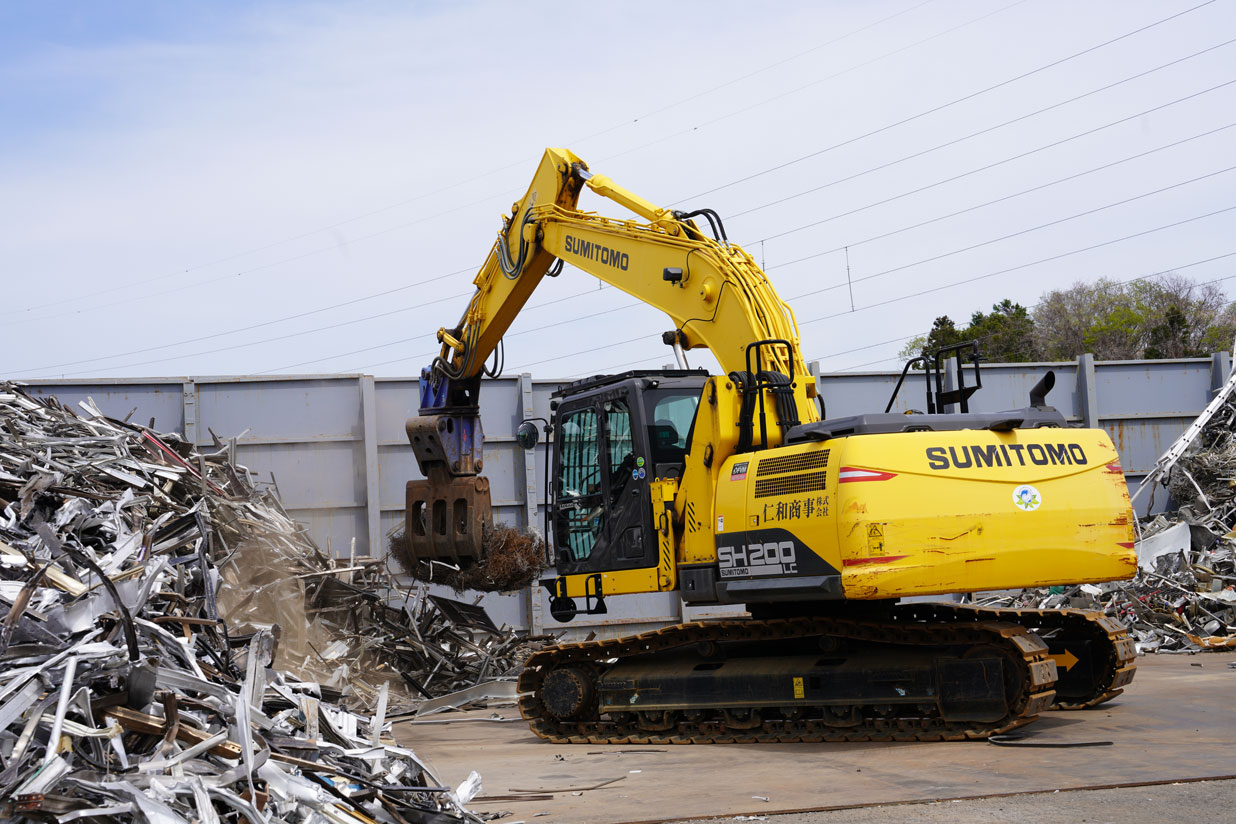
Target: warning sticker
{"points": [[875, 539], [798, 688]]}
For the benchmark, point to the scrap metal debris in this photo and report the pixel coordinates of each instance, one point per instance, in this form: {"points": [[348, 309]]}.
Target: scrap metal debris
{"points": [[512, 560], [1183, 598], [125, 690]]}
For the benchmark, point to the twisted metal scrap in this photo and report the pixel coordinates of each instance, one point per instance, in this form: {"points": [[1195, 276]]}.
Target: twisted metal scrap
{"points": [[124, 690]]}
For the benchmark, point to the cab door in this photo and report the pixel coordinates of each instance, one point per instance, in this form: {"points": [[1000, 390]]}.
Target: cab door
{"points": [[602, 510]]}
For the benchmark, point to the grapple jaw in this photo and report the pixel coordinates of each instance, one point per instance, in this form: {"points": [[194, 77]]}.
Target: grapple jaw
{"points": [[448, 520], [450, 512]]}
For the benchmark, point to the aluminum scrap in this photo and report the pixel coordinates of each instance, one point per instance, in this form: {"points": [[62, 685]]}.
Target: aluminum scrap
{"points": [[126, 693]]}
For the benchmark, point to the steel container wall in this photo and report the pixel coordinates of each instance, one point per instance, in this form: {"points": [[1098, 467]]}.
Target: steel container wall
{"points": [[335, 444]]}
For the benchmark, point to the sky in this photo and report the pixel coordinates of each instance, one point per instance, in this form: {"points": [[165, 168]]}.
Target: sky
{"points": [[225, 188]]}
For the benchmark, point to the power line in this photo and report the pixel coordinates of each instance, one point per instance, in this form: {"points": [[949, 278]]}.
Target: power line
{"points": [[270, 340], [1022, 266], [984, 168], [816, 223], [906, 265], [1040, 187], [761, 70], [987, 243], [953, 214], [318, 251], [229, 276], [954, 102], [431, 354], [1005, 237], [963, 281], [240, 329], [804, 87], [305, 332], [405, 287], [1168, 271], [978, 170], [455, 185]]}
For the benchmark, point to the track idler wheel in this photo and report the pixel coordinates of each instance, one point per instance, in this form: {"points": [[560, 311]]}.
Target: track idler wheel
{"points": [[657, 720], [842, 716], [569, 693], [742, 718]]}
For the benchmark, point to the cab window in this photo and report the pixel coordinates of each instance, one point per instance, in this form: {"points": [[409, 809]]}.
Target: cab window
{"points": [[621, 447], [671, 420], [579, 484]]}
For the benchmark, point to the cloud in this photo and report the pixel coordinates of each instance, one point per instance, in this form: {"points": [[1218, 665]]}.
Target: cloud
{"points": [[211, 150]]}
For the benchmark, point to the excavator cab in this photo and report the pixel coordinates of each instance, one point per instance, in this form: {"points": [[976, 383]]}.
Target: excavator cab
{"points": [[614, 435]]}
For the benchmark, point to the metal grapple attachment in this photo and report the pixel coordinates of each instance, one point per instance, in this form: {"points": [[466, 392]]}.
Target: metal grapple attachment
{"points": [[450, 512], [447, 522]]}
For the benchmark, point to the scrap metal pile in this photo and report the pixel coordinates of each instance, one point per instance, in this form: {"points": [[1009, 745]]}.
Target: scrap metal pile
{"points": [[124, 692], [435, 645], [1183, 598]]}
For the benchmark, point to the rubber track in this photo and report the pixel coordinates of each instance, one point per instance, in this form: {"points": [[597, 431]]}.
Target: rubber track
{"points": [[1036, 676], [1118, 664]]}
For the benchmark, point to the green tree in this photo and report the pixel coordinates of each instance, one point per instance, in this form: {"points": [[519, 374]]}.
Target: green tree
{"points": [[1166, 317], [1005, 335]]}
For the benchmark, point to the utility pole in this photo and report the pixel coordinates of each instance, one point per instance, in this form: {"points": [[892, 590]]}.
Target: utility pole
{"points": [[847, 277]]}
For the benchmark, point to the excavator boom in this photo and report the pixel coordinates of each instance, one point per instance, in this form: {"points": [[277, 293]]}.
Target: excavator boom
{"points": [[712, 290]]}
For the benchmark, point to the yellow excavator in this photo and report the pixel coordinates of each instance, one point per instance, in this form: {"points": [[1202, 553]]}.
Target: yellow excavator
{"points": [[735, 489]]}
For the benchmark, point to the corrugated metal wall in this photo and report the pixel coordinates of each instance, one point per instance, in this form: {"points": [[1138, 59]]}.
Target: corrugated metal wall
{"points": [[335, 444]]}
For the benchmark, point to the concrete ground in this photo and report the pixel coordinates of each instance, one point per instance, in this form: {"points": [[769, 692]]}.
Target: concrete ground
{"points": [[1210, 801], [1173, 724]]}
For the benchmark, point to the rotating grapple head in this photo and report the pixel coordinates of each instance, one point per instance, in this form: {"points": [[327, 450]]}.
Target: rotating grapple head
{"points": [[450, 511]]}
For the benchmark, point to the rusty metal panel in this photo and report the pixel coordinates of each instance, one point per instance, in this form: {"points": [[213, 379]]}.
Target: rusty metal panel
{"points": [[1140, 441], [1136, 389]]}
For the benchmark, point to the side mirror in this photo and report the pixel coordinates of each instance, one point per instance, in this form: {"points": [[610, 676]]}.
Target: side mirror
{"points": [[527, 435]]}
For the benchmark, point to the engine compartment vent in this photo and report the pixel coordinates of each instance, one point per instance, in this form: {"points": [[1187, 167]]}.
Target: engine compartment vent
{"points": [[782, 464], [790, 484]]}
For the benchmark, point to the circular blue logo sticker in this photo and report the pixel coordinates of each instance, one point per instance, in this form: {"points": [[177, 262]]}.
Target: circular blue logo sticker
{"points": [[1027, 498]]}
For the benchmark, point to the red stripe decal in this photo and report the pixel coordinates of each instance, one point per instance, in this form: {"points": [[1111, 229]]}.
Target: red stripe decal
{"points": [[861, 561], [1125, 544], [852, 474]]}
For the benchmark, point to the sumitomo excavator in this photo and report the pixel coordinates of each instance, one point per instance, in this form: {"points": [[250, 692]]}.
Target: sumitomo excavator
{"points": [[735, 489]]}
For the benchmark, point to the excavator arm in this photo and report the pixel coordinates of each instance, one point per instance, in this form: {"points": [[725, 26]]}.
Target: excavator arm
{"points": [[712, 290]]}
